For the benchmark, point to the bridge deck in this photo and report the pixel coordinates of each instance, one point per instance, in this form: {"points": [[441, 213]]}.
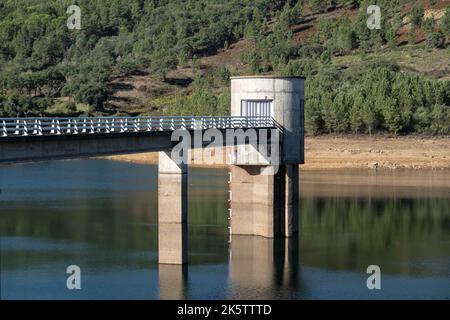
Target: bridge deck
{"points": [[35, 139]]}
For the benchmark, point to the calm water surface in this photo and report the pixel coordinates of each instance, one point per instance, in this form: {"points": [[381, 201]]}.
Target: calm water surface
{"points": [[102, 216]]}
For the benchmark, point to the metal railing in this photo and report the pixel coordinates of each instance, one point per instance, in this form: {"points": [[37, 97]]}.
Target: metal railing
{"points": [[103, 125]]}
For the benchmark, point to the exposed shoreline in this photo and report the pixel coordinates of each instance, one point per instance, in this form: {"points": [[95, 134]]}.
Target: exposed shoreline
{"points": [[355, 152]]}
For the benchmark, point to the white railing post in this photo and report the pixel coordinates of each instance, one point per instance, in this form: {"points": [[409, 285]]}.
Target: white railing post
{"points": [[35, 127], [58, 128], [149, 124], [39, 128], [75, 126], [68, 126], [25, 127], [183, 124], [5, 131], [161, 124]]}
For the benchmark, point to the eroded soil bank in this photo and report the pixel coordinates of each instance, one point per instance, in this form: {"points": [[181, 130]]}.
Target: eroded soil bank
{"points": [[351, 152]]}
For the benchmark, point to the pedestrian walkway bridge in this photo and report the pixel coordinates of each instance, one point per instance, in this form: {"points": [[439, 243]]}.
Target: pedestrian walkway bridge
{"points": [[34, 139]]}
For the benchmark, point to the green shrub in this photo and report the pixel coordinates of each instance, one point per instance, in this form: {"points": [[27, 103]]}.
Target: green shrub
{"points": [[436, 40]]}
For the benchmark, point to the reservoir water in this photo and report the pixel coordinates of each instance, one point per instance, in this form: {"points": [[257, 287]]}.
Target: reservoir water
{"points": [[102, 216]]}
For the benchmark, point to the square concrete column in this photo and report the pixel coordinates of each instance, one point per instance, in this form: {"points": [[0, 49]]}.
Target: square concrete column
{"points": [[292, 200], [255, 201], [172, 210]]}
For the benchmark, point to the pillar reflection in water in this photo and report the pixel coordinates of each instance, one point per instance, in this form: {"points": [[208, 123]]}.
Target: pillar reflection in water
{"points": [[263, 268], [173, 281]]}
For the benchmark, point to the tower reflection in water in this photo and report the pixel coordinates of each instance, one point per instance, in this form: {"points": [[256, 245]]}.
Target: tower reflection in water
{"points": [[258, 267], [264, 268]]}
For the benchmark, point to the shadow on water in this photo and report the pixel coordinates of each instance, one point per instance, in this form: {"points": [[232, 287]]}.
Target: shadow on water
{"points": [[102, 216]]}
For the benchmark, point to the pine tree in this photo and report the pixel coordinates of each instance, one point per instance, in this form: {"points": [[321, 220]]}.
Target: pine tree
{"points": [[340, 109], [445, 23], [318, 5], [416, 15], [391, 36], [328, 115], [356, 117], [429, 25], [436, 40], [313, 117], [369, 116], [345, 36], [391, 114], [363, 34]]}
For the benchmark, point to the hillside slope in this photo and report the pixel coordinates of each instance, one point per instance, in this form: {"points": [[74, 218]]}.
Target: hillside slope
{"points": [[145, 57], [150, 94]]}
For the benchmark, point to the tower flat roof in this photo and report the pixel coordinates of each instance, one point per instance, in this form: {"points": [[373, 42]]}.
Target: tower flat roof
{"points": [[267, 77]]}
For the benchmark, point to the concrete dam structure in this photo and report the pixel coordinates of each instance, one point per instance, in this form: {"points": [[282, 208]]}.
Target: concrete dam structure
{"points": [[264, 192]]}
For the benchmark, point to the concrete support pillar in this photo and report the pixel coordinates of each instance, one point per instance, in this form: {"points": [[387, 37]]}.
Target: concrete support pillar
{"points": [[292, 200], [256, 202], [172, 211], [264, 205]]}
